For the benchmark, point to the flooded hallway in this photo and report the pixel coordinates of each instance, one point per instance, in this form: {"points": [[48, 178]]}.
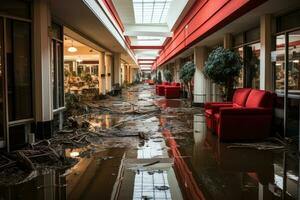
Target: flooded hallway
{"points": [[141, 146], [149, 99]]}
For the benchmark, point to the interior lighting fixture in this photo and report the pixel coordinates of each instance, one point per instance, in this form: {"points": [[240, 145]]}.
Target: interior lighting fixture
{"points": [[79, 60], [72, 49]]}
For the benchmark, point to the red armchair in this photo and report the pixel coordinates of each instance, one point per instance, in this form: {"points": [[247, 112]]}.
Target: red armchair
{"points": [[172, 91], [160, 89], [248, 116]]}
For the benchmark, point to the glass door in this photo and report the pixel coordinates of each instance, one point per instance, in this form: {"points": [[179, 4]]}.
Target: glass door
{"points": [[2, 118], [293, 82]]}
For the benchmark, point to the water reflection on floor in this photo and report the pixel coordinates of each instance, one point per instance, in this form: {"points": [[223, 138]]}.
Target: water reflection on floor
{"points": [[223, 173], [181, 160]]}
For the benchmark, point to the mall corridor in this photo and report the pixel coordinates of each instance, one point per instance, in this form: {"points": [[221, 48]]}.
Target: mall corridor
{"points": [[162, 150], [149, 99]]}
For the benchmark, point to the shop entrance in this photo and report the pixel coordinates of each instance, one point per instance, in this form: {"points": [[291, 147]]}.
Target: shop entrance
{"points": [[16, 110]]}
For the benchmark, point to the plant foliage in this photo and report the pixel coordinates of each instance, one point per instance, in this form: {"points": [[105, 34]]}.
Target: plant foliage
{"points": [[187, 72], [223, 66], [159, 81], [168, 75]]}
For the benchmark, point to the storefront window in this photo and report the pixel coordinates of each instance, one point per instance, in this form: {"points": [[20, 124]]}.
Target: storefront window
{"points": [[248, 46], [240, 79], [294, 59], [1, 81], [293, 103], [279, 65], [57, 67], [19, 73], [252, 65]]}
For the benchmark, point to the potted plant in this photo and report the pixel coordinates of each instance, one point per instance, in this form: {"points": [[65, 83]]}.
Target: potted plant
{"points": [[186, 76], [168, 75], [159, 81], [223, 66]]}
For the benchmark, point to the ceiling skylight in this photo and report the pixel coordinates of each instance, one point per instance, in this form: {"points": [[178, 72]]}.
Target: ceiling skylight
{"points": [[151, 11]]}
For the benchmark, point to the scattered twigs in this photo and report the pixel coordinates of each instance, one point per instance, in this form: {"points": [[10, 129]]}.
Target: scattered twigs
{"points": [[30, 176], [10, 164], [258, 146], [24, 161]]}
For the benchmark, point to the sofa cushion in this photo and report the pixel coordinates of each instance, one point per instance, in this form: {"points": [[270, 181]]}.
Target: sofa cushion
{"points": [[257, 98], [240, 96]]}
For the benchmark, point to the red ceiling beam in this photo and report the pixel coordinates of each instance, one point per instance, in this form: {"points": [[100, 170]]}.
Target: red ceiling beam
{"points": [[146, 47], [111, 8], [203, 19]]}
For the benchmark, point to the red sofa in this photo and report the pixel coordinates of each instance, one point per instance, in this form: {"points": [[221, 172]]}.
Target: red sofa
{"points": [[248, 116], [160, 89], [150, 82], [172, 91]]}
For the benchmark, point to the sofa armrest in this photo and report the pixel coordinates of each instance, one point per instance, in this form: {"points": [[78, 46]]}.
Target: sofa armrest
{"points": [[245, 111]]}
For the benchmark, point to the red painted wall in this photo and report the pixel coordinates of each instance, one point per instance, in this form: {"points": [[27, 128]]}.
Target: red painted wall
{"points": [[204, 18]]}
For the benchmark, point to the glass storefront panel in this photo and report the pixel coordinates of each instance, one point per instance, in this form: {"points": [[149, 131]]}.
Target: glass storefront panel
{"points": [[293, 84], [1, 81], [60, 74], [19, 74], [240, 79], [252, 65], [57, 67], [279, 65], [294, 59]]}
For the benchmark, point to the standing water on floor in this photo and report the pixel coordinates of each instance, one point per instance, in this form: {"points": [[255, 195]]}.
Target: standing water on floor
{"points": [[166, 154]]}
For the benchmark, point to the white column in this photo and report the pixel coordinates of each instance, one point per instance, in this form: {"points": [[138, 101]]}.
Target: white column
{"points": [[177, 71], [117, 68], [265, 53], [132, 74], [108, 65], [101, 72], [202, 86], [42, 68]]}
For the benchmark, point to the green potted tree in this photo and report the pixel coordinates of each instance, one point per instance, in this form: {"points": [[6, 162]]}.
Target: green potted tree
{"points": [[168, 75], [223, 66], [186, 76], [159, 81]]}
